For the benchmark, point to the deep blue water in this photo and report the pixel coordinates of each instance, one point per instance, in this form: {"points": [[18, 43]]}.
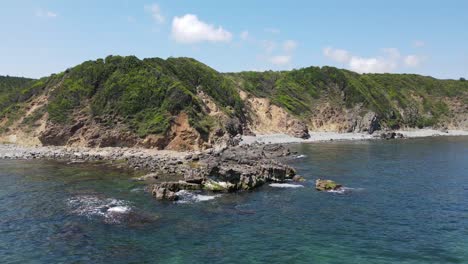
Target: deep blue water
{"points": [[408, 203]]}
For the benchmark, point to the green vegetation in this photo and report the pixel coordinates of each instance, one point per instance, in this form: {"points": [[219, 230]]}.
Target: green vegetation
{"points": [[146, 95], [299, 91], [14, 91]]}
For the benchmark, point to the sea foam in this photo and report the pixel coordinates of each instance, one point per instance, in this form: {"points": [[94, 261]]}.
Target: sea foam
{"points": [[109, 209], [285, 185], [344, 190], [193, 197]]}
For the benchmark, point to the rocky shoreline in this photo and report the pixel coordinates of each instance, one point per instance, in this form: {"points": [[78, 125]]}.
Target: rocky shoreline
{"points": [[222, 169], [226, 169]]}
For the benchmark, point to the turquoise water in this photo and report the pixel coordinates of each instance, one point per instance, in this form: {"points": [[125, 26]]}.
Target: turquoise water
{"points": [[407, 203]]}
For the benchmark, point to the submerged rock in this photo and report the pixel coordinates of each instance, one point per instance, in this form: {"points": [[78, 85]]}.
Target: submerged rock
{"points": [[326, 185]]}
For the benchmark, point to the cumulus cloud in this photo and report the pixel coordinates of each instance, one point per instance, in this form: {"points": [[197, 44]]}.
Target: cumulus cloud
{"points": [[289, 45], [280, 60], [412, 60], [155, 12], [269, 46], [244, 35], [45, 13], [371, 65], [339, 55], [189, 29], [388, 61]]}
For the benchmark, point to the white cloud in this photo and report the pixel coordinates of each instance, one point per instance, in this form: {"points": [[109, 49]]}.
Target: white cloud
{"points": [[45, 13], [269, 46], [339, 55], [289, 45], [412, 60], [155, 12], [371, 65], [388, 61], [419, 44], [272, 30], [280, 60], [189, 29], [244, 35]]}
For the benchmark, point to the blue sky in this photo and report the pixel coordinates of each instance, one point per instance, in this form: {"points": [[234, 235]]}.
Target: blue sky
{"points": [[425, 37]]}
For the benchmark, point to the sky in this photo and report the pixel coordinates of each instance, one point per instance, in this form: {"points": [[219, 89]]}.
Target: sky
{"points": [[38, 38]]}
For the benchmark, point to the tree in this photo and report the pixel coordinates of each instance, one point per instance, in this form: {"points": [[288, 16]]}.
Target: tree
{"points": [[462, 79]]}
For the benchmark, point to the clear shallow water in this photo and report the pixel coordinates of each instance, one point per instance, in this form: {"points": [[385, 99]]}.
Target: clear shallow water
{"points": [[407, 203]]}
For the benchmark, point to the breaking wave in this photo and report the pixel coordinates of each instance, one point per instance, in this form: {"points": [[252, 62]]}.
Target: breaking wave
{"points": [[193, 197], [344, 190], [285, 185], [109, 209]]}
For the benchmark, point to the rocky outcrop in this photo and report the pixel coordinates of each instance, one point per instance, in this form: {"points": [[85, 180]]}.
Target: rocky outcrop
{"points": [[162, 193], [298, 129], [326, 185], [368, 123], [228, 170], [391, 135]]}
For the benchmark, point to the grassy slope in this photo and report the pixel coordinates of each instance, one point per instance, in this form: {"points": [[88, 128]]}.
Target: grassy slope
{"points": [[147, 94], [144, 94], [13, 91], [299, 90]]}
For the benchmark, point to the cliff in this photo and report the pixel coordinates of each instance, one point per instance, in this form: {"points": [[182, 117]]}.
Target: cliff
{"points": [[182, 104]]}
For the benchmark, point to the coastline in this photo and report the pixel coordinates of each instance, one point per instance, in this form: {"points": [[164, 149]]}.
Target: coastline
{"points": [[335, 136], [257, 160], [15, 151]]}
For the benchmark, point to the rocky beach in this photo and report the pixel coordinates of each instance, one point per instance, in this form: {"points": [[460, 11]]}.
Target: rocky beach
{"points": [[224, 169], [243, 164]]}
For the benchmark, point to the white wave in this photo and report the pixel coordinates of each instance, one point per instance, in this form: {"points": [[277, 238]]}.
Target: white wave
{"points": [[137, 189], [301, 156], [119, 209], [343, 190], [91, 206], [285, 185], [193, 197]]}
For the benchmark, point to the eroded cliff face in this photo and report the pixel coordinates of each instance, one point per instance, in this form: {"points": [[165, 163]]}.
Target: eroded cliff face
{"points": [[182, 104], [330, 118], [263, 117], [93, 133]]}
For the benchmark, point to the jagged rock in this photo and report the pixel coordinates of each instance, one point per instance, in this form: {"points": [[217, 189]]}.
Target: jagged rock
{"points": [[162, 193], [147, 177], [298, 129], [391, 135], [218, 186], [370, 122], [298, 178], [326, 185], [194, 176], [179, 185], [275, 151]]}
